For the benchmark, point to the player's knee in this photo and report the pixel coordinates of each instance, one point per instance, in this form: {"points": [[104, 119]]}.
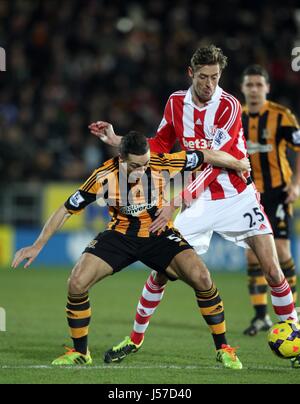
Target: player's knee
{"points": [[201, 279], [206, 279], [273, 274], [76, 285]]}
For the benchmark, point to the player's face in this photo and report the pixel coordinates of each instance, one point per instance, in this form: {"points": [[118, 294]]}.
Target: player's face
{"points": [[205, 80], [136, 165], [255, 89]]}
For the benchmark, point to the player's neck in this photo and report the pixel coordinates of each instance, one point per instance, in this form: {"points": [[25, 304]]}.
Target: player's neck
{"points": [[255, 108]]}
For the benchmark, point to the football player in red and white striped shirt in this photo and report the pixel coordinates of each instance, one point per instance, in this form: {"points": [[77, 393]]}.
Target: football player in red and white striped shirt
{"points": [[207, 117]]}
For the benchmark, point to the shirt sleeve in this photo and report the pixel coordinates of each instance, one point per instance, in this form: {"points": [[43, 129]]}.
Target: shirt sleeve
{"points": [[165, 136], [85, 195], [176, 162], [290, 130]]}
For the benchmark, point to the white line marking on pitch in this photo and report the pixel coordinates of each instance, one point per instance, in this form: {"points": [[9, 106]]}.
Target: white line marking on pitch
{"points": [[117, 367]]}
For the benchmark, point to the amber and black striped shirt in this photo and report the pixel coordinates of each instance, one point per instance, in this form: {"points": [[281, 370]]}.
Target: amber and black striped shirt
{"points": [[269, 133], [132, 207]]}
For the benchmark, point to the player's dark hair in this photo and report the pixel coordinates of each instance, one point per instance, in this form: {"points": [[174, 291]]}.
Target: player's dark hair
{"points": [[133, 143], [208, 55], [256, 70]]}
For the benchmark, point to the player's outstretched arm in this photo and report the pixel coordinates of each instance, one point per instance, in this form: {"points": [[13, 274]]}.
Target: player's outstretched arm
{"points": [[105, 132], [30, 253]]}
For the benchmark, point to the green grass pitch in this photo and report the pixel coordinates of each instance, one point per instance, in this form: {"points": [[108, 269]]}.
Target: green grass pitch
{"points": [[178, 347]]}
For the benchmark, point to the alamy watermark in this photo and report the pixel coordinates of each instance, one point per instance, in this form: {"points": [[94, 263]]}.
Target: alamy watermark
{"points": [[296, 59], [2, 320], [2, 60]]}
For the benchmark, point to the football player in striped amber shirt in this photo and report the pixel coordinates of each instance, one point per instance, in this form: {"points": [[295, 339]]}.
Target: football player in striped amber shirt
{"points": [[130, 185], [270, 130], [207, 117]]}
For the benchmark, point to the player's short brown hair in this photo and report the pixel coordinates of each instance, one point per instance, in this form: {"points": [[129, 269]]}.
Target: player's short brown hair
{"points": [[256, 70], [133, 143], [208, 55]]}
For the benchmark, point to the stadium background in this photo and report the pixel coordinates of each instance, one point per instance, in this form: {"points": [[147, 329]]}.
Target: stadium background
{"points": [[73, 62]]}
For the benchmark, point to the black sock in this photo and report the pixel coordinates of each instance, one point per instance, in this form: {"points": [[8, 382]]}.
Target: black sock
{"points": [[79, 315]]}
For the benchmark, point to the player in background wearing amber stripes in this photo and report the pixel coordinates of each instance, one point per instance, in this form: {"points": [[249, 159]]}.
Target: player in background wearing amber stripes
{"points": [[270, 129], [207, 117], [127, 185]]}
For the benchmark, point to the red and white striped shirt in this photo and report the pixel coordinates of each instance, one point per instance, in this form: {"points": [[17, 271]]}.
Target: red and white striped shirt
{"points": [[217, 125]]}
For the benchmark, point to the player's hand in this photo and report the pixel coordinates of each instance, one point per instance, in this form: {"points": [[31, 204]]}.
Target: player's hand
{"points": [[243, 176], [293, 192], [105, 132], [244, 165], [29, 253], [164, 215], [243, 168]]}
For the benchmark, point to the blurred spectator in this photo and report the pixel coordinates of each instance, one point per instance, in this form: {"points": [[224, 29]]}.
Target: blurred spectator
{"points": [[75, 61]]}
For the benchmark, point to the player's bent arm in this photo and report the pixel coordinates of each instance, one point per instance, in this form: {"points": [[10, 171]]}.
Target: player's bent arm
{"points": [[222, 159], [54, 223], [105, 132], [162, 142]]}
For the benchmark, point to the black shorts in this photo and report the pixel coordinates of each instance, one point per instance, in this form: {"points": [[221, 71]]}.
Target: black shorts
{"points": [[279, 212], [119, 250]]}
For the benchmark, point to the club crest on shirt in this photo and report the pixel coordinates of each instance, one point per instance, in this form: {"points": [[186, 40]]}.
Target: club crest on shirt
{"points": [[213, 129], [210, 131]]}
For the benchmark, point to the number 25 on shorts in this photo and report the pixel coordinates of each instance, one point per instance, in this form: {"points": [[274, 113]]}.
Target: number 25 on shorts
{"points": [[254, 216]]}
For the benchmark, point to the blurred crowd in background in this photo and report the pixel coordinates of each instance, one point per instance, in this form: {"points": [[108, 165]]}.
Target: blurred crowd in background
{"points": [[72, 62]]}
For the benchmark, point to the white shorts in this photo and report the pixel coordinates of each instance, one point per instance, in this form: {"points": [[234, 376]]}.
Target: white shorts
{"points": [[235, 219]]}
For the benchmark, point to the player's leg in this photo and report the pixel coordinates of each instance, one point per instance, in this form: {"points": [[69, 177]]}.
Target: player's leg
{"points": [[170, 243], [258, 290], [283, 247], [282, 299], [153, 290], [242, 220], [287, 264], [152, 295], [188, 267], [89, 270], [98, 261], [258, 284], [280, 214]]}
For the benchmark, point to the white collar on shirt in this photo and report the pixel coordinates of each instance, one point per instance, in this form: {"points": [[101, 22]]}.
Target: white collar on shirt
{"points": [[215, 98]]}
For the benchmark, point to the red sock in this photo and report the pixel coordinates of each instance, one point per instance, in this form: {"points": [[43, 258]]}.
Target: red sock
{"points": [[283, 303], [150, 299]]}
